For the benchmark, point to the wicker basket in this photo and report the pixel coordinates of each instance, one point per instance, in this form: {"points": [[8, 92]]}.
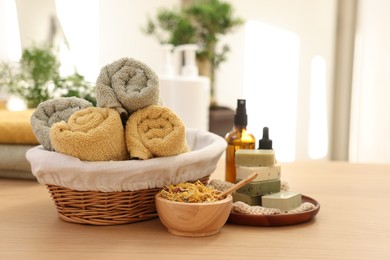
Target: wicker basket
{"points": [[105, 208], [117, 195]]}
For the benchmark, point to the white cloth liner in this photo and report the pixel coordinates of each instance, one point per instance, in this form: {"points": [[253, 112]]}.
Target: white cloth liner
{"points": [[66, 171]]}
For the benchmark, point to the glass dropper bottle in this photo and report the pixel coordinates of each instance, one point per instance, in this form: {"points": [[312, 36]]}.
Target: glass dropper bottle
{"points": [[237, 139]]}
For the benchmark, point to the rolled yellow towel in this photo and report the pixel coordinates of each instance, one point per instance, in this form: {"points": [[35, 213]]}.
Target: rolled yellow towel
{"points": [[52, 111], [155, 131], [91, 134]]}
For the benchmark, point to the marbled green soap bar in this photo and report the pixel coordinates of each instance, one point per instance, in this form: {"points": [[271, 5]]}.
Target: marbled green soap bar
{"points": [[250, 200], [284, 200], [255, 158], [260, 187], [263, 173]]}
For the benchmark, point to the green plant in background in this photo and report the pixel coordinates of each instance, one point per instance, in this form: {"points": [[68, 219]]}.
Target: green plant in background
{"points": [[30, 79], [36, 77], [76, 86], [201, 22]]}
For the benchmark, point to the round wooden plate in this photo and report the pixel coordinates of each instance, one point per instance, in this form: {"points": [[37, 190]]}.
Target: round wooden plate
{"points": [[275, 220]]}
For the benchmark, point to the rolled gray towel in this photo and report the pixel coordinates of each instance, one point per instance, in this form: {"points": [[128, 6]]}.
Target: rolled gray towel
{"points": [[127, 85], [52, 111]]}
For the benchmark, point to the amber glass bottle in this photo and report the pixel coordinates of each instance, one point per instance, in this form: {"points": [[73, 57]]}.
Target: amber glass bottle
{"points": [[237, 139]]}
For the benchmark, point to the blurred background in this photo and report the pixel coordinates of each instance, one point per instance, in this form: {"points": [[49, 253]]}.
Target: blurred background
{"points": [[316, 72]]}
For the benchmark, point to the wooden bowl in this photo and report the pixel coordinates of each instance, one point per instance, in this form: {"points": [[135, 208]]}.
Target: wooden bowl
{"points": [[193, 219]]}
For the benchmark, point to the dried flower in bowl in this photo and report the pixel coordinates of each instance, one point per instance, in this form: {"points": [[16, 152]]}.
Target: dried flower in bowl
{"points": [[190, 192]]}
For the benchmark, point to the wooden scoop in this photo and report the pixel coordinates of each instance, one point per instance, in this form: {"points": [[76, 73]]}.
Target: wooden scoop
{"points": [[238, 185]]}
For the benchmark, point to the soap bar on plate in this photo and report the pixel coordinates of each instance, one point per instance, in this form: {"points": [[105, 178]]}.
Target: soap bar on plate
{"points": [[260, 187], [263, 173], [284, 200], [255, 158], [250, 200]]}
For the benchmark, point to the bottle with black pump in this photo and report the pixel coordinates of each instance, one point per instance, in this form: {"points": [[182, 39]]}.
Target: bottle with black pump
{"points": [[237, 139]]}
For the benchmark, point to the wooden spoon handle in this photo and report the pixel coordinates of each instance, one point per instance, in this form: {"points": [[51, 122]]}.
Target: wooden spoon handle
{"points": [[239, 184]]}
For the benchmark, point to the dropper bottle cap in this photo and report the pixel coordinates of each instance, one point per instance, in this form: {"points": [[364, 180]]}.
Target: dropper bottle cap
{"points": [[241, 118], [265, 143]]}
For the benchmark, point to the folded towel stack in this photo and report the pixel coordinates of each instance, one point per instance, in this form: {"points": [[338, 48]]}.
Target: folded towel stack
{"points": [[15, 127], [53, 111], [91, 134], [127, 85], [155, 131], [16, 137], [13, 162]]}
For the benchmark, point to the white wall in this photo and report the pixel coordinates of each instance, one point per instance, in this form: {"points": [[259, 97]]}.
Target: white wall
{"points": [[9, 33], [370, 125], [34, 20], [120, 34], [118, 28], [314, 23]]}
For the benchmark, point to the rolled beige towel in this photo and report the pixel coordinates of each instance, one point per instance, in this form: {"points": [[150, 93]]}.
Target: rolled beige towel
{"points": [[127, 85], [52, 111], [155, 131], [91, 134]]}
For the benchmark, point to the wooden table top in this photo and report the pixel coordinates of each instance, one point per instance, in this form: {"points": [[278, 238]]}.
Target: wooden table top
{"points": [[353, 223]]}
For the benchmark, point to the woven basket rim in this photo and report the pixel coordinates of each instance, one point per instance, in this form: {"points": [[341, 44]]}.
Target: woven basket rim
{"points": [[66, 171], [105, 208]]}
